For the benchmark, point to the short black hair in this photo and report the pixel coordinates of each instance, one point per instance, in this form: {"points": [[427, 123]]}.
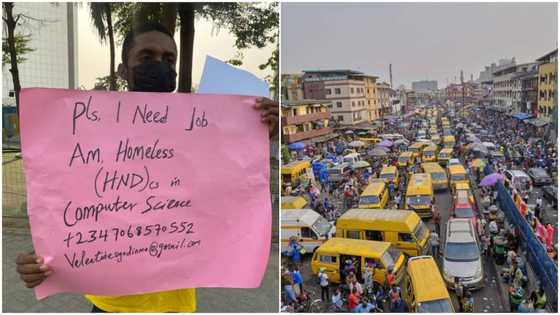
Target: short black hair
{"points": [[146, 27]]}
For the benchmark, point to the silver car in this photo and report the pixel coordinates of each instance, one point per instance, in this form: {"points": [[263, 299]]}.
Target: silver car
{"points": [[461, 255]]}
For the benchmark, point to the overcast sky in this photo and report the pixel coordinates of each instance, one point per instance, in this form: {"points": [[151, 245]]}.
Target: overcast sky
{"points": [[422, 40], [93, 57]]}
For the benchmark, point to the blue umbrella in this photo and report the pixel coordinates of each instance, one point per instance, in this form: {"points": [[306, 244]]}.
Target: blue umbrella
{"points": [[296, 146]]}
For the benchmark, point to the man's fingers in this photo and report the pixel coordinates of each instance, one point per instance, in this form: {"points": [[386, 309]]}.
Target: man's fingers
{"points": [[33, 284], [32, 268], [33, 277], [27, 259]]}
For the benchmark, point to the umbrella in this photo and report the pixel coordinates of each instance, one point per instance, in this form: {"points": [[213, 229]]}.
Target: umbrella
{"points": [[401, 141], [491, 179], [489, 144], [356, 144], [349, 132], [382, 148], [360, 164], [386, 143], [296, 146], [377, 153]]}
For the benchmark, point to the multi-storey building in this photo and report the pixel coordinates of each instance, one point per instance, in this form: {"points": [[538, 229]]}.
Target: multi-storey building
{"points": [[303, 120], [292, 87], [344, 88], [371, 95], [384, 93], [547, 89], [529, 92], [506, 86]]}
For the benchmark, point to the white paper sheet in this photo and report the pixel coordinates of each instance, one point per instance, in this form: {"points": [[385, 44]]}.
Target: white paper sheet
{"points": [[219, 77]]}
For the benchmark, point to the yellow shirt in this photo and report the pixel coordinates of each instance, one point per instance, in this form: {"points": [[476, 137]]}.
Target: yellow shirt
{"points": [[180, 301]]}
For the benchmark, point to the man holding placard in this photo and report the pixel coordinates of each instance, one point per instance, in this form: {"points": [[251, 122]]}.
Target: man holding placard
{"points": [[149, 57]]}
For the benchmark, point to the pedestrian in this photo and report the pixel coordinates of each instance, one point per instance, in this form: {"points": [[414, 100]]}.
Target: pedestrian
{"points": [[364, 307], [288, 286], [298, 281], [353, 300], [434, 242], [459, 292], [540, 303], [437, 220], [336, 299], [396, 298], [324, 283]]}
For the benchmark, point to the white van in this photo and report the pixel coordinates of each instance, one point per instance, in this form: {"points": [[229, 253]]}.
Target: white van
{"points": [[338, 172], [519, 179], [351, 158], [307, 226]]}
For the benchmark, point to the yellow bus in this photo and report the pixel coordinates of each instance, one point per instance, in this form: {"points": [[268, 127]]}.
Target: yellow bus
{"points": [[457, 174], [406, 159], [293, 202], [424, 289], [448, 141], [390, 174], [420, 195], [429, 154], [333, 254], [402, 228], [438, 175], [292, 171], [375, 196], [445, 155]]}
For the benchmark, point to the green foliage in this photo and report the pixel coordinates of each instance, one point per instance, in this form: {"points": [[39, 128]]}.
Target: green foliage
{"points": [[103, 84], [286, 156], [22, 48]]}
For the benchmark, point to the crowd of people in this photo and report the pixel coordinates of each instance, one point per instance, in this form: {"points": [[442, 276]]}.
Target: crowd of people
{"points": [[523, 147]]}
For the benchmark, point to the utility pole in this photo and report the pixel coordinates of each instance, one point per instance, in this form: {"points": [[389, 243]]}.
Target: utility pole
{"points": [[463, 93], [391, 75]]}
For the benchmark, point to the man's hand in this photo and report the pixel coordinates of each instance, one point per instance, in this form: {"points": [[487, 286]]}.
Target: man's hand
{"points": [[32, 269], [269, 113]]}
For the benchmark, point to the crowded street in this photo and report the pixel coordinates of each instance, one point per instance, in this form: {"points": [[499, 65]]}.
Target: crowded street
{"points": [[468, 190]]}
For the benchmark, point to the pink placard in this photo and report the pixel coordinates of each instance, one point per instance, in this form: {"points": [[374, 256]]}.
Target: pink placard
{"points": [[135, 192]]}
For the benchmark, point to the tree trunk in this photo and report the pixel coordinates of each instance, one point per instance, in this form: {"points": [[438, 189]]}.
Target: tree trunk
{"points": [[186, 13], [11, 25], [169, 16], [112, 76]]}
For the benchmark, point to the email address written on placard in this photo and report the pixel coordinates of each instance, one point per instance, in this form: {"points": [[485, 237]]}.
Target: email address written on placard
{"points": [[133, 231], [155, 249]]}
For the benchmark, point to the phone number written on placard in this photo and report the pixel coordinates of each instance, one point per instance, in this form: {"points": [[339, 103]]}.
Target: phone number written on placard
{"points": [[133, 231]]}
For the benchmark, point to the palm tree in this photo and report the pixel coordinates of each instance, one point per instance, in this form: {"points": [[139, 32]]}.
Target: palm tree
{"points": [[101, 14]]}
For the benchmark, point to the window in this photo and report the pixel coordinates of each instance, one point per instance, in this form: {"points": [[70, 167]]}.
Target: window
{"points": [[375, 262], [306, 232], [338, 104], [340, 118], [374, 236], [405, 237], [353, 104], [336, 91], [328, 91], [351, 90], [327, 259], [353, 234]]}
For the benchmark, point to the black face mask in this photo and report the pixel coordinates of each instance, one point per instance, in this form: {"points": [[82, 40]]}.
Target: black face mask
{"points": [[154, 76]]}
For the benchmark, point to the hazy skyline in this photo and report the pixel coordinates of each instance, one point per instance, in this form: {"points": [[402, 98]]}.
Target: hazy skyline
{"points": [[93, 57], [422, 40]]}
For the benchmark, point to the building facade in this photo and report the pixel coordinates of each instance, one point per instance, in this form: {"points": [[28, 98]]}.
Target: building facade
{"points": [[425, 85], [304, 120], [371, 95], [292, 87], [547, 89], [53, 63], [488, 73], [384, 93], [506, 86], [344, 88], [529, 93]]}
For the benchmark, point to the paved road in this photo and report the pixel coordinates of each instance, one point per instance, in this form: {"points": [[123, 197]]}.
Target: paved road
{"points": [[17, 298], [488, 299]]}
